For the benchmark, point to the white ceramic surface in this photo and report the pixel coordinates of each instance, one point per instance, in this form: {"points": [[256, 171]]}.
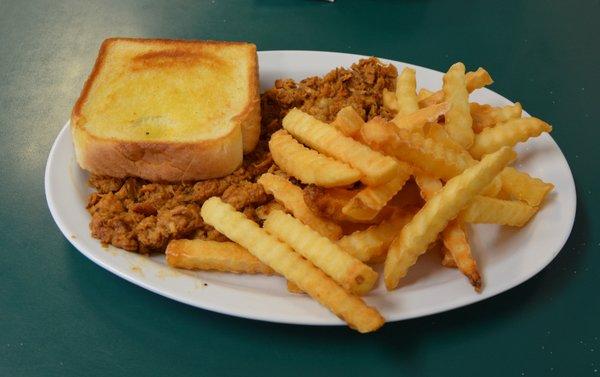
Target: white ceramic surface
{"points": [[507, 257]]}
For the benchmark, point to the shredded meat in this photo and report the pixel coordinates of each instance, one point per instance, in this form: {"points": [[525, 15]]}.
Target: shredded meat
{"points": [[361, 86], [141, 216], [327, 202], [137, 215]]}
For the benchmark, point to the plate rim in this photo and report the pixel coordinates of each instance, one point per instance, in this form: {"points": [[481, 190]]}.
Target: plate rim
{"points": [[325, 321]]}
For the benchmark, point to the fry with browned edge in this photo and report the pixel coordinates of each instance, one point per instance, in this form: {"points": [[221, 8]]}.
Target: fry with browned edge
{"points": [[212, 255], [376, 168], [347, 271], [437, 212], [292, 198], [285, 261]]}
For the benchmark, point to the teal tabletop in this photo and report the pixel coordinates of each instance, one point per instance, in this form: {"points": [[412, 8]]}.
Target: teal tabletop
{"points": [[62, 315]]}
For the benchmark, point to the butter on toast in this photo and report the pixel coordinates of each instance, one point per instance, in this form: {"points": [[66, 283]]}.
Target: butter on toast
{"points": [[168, 110]]}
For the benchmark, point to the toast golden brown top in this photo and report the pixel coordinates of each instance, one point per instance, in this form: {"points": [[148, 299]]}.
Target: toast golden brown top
{"points": [[152, 90]]}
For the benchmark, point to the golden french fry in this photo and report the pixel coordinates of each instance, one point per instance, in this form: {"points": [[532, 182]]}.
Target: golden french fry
{"points": [[493, 189], [438, 133], [375, 167], [478, 79], [416, 120], [447, 258], [437, 212], [504, 113], [444, 159], [423, 93], [406, 92], [474, 80], [482, 116], [281, 258], [212, 255], [263, 211], [412, 147], [455, 241], [308, 165], [292, 199], [293, 288], [522, 186], [428, 185], [485, 116], [459, 124], [346, 270], [368, 244], [507, 134], [369, 201], [435, 97], [348, 121], [488, 210], [453, 236], [389, 100]]}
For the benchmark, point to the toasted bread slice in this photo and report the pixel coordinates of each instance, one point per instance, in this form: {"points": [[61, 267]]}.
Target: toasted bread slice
{"points": [[167, 110]]}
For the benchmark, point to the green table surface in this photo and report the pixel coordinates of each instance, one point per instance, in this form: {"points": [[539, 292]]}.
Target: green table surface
{"points": [[60, 314]]}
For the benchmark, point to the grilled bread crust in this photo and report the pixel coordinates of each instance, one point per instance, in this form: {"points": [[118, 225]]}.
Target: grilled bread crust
{"points": [[168, 159]]}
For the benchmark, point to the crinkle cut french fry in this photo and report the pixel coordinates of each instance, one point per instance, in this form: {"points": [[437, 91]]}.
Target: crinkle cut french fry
{"points": [[348, 121], [406, 92], [416, 121], [485, 116], [474, 80], [369, 201], [454, 237], [493, 189], [212, 255], [504, 113], [447, 258], [281, 258], [412, 147], [347, 271], [459, 124], [423, 93], [522, 186], [488, 210], [368, 244], [428, 185], [293, 288], [389, 100], [507, 134], [437, 212], [482, 116], [375, 167], [438, 133], [263, 211], [292, 198], [308, 165], [443, 159], [432, 99], [478, 79]]}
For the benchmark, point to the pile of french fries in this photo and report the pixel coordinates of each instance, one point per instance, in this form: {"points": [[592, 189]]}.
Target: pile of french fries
{"points": [[355, 207]]}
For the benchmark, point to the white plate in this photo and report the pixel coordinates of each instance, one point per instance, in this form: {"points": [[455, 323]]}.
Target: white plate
{"points": [[507, 257]]}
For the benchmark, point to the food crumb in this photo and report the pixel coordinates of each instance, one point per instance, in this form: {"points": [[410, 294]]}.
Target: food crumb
{"points": [[137, 269]]}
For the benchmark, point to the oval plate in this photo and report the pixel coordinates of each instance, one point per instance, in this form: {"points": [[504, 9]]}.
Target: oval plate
{"points": [[507, 257]]}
